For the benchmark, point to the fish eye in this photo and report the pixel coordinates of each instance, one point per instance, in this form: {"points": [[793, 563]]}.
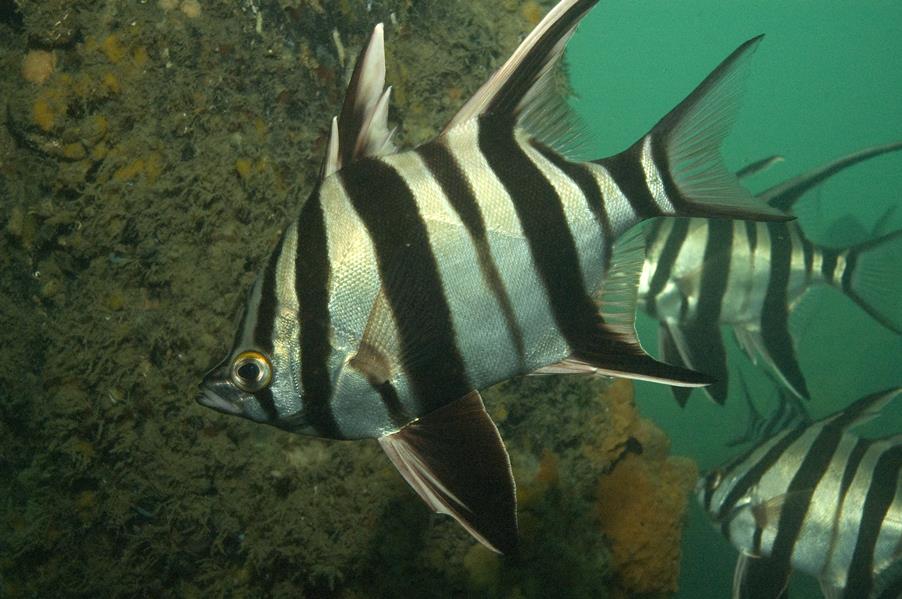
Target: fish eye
{"points": [[714, 479], [251, 371]]}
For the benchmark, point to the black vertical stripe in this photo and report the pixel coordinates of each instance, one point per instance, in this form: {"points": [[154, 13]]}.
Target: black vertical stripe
{"points": [[775, 309], [662, 161], [848, 475], [756, 539], [544, 225], [266, 307], [678, 232], [457, 189], [753, 474], [851, 262], [588, 185], [807, 254], [801, 489], [626, 170], [828, 264], [263, 327], [312, 273], [389, 395], [879, 498], [702, 331], [715, 271], [411, 282], [751, 232]]}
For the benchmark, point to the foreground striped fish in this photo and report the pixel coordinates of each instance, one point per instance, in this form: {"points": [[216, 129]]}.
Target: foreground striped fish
{"points": [[411, 280], [817, 499], [700, 274]]}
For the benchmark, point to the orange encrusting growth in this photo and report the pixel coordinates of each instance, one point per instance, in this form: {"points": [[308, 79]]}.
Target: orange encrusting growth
{"points": [[641, 508]]}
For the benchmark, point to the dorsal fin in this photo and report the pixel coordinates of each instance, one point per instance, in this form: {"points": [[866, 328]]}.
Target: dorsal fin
{"points": [[784, 195], [362, 127], [523, 83], [862, 410], [758, 166]]}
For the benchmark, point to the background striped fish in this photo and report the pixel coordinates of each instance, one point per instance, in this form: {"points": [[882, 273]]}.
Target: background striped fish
{"points": [[790, 411], [818, 499], [412, 279], [700, 274]]}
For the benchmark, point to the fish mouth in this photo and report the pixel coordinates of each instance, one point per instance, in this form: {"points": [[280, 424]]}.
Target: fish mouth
{"points": [[211, 400]]}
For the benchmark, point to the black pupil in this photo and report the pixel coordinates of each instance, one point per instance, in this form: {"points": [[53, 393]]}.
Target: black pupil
{"points": [[249, 371]]}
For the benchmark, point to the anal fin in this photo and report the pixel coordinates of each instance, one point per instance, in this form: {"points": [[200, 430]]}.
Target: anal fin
{"points": [[455, 460]]}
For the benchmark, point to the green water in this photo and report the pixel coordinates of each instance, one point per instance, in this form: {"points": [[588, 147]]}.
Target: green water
{"points": [[825, 81]]}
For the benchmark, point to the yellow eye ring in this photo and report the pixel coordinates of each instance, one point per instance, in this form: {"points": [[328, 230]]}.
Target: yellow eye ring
{"points": [[251, 371]]}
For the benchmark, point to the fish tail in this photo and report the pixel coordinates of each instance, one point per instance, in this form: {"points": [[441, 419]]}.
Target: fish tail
{"points": [[677, 169], [870, 274]]}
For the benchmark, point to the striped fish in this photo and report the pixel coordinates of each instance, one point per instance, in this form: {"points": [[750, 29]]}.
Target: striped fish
{"points": [[817, 499], [700, 274], [412, 279]]}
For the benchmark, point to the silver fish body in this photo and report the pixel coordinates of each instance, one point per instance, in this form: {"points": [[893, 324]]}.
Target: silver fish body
{"points": [[818, 499], [412, 279], [700, 274]]}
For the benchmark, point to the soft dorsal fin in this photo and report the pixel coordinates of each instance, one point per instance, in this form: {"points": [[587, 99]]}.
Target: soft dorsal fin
{"points": [[784, 195], [759, 166], [862, 410], [362, 127], [523, 83]]}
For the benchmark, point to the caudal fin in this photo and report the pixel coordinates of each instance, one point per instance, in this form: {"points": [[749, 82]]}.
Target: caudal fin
{"points": [[871, 275], [677, 168]]}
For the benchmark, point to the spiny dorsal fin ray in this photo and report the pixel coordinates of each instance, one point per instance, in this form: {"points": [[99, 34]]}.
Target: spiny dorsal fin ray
{"points": [[523, 83], [362, 127], [784, 195], [455, 460]]}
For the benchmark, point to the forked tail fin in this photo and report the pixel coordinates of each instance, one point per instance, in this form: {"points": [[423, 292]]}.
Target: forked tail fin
{"points": [[870, 274], [677, 168]]}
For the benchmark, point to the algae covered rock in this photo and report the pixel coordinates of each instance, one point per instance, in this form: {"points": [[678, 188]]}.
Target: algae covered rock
{"points": [[147, 166]]}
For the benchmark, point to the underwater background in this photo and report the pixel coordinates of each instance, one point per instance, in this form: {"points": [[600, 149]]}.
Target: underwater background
{"points": [[150, 154], [826, 81]]}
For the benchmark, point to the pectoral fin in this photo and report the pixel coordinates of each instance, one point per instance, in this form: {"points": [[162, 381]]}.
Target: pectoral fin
{"points": [[760, 578], [455, 460]]}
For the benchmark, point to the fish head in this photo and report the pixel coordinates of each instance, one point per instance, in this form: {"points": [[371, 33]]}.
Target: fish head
{"points": [[708, 490], [249, 383], [740, 519]]}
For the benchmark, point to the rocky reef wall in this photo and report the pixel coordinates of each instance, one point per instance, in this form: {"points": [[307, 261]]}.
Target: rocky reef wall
{"points": [[150, 154]]}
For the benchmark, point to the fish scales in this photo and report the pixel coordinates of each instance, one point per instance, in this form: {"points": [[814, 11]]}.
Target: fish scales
{"points": [[411, 279]]}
